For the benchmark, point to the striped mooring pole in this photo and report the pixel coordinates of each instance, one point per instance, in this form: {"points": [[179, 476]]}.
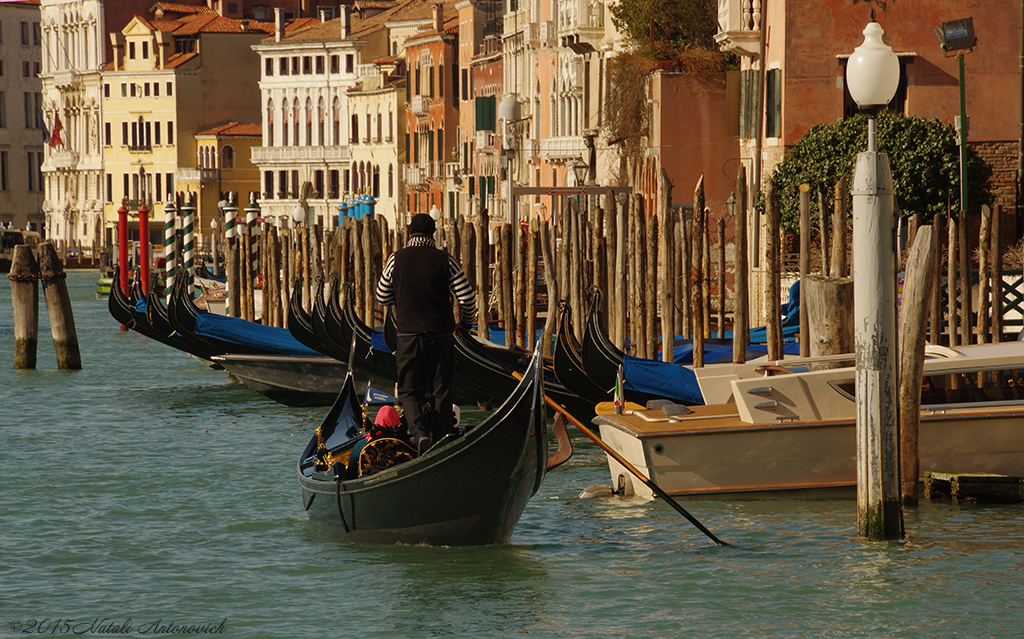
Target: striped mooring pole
{"points": [[252, 212], [170, 259], [230, 215], [188, 210]]}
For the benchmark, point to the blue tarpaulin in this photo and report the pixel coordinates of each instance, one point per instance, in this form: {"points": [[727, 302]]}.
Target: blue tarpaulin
{"points": [[661, 379], [240, 331]]}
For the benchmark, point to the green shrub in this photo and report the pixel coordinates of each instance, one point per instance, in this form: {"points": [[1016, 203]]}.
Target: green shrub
{"points": [[923, 156]]}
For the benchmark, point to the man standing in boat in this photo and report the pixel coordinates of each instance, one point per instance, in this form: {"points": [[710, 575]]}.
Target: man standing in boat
{"points": [[418, 281]]}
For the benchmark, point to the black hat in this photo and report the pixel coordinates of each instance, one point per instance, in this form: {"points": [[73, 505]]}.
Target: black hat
{"points": [[421, 224]]}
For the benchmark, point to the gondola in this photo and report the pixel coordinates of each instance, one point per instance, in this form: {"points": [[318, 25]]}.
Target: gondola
{"points": [[183, 315], [568, 362], [468, 489], [125, 311], [602, 360], [300, 323]]}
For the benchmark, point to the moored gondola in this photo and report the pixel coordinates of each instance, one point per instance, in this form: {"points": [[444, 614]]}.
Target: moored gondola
{"points": [[468, 489], [568, 362]]}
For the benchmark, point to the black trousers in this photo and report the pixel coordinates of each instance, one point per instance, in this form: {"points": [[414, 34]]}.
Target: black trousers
{"points": [[425, 372]]}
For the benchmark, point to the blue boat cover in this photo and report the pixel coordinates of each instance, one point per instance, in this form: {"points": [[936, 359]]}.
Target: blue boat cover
{"points": [[661, 379], [377, 340], [239, 331]]}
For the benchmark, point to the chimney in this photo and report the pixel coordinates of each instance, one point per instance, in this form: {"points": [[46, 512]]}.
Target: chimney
{"points": [[346, 28], [323, 15], [438, 18], [278, 24], [243, 25]]}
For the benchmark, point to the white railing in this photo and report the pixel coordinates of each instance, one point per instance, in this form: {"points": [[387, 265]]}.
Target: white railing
{"points": [[189, 174], [419, 104], [562, 148], [269, 154], [485, 140], [413, 175]]}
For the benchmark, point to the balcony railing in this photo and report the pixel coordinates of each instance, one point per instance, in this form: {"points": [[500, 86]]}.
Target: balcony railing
{"points": [[562, 148], [740, 21], [299, 154], [193, 175], [419, 104], [414, 175]]}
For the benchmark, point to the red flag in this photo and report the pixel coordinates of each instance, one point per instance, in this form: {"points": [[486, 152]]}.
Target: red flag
{"points": [[57, 128]]}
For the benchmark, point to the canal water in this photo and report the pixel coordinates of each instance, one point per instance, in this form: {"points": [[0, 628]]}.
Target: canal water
{"points": [[149, 495]]}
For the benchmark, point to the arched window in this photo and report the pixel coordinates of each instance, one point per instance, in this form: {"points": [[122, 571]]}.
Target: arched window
{"points": [[295, 121], [320, 115], [227, 157], [337, 121], [391, 126], [380, 128], [309, 121], [284, 123], [391, 181], [355, 128], [269, 140], [376, 181]]}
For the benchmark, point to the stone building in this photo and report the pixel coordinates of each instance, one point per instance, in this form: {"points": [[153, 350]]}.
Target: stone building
{"points": [[24, 132]]}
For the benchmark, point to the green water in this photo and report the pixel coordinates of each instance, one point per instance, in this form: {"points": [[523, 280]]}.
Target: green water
{"points": [[147, 489]]}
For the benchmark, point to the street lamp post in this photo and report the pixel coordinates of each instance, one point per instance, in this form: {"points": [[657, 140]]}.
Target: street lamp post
{"points": [[872, 76], [510, 112]]}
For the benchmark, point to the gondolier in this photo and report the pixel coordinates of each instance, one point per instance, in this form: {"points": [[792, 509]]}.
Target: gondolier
{"points": [[418, 281]]}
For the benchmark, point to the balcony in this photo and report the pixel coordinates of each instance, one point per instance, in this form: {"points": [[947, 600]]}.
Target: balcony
{"points": [[414, 176], [563, 148], [191, 175], [583, 20], [420, 105], [541, 34], [740, 21], [485, 140], [299, 154]]}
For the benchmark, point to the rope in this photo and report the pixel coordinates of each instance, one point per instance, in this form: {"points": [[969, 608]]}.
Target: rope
{"points": [[23, 278]]}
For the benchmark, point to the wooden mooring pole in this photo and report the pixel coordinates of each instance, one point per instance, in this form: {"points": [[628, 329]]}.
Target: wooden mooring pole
{"points": [[24, 277], [58, 306]]}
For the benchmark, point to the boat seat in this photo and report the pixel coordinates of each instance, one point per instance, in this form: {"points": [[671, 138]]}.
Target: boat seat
{"points": [[383, 453]]}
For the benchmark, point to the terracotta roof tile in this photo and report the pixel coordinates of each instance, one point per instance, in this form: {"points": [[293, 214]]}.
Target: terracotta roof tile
{"points": [[237, 129]]}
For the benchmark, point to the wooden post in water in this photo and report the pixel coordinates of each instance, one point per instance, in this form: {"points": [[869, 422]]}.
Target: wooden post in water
{"points": [[530, 292], [697, 279], [823, 215], [966, 321], [24, 277], [829, 305], [997, 275], [58, 306], [741, 312], [773, 301], [483, 275], [951, 290], [551, 282], [665, 283], [917, 287], [983, 273], [838, 263], [618, 311], [507, 312], [720, 237], [805, 264], [935, 315], [650, 289]]}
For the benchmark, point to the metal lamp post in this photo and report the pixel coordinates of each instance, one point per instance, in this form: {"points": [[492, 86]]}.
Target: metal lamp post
{"points": [[872, 75], [957, 37]]}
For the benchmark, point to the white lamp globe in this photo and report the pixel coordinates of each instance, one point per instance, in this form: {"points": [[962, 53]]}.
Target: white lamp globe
{"points": [[298, 215], [873, 70]]}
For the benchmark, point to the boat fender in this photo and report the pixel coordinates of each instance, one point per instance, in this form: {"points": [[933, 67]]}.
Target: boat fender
{"points": [[597, 491]]}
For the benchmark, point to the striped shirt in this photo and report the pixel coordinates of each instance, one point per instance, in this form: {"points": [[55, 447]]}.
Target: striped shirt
{"points": [[457, 284]]}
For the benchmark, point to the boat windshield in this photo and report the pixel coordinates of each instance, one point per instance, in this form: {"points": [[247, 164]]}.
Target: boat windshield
{"points": [[975, 387]]}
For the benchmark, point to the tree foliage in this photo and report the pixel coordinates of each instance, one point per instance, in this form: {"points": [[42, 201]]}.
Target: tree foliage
{"points": [[675, 24], [923, 155]]}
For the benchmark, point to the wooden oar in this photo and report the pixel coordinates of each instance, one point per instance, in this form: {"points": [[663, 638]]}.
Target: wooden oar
{"points": [[617, 457]]}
